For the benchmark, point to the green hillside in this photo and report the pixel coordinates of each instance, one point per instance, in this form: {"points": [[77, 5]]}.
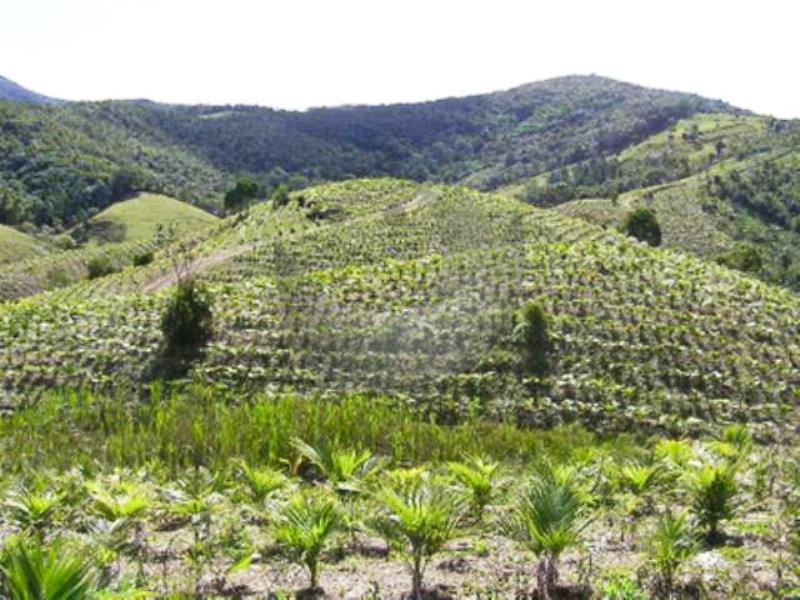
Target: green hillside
{"points": [[59, 163], [412, 289], [142, 217], [15, 245]]}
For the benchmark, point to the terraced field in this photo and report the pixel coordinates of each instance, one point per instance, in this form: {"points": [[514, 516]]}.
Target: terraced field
{"points": [[412, 290]]}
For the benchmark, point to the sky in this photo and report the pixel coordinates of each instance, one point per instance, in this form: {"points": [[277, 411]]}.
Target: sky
{"points": [[301, 53]]}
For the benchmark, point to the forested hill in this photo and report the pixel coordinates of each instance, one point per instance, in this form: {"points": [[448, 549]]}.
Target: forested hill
{"points": [[10, 90], [61, 163]]}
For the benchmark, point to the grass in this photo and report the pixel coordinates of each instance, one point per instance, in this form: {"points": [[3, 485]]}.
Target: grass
{"points": [[144, 215], [16, 246]]}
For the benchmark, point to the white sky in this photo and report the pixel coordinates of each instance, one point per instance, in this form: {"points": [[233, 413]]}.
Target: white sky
{"points": [[301, 53]]}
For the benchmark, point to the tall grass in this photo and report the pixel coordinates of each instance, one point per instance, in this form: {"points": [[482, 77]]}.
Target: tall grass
{"points": [[200, 426]]}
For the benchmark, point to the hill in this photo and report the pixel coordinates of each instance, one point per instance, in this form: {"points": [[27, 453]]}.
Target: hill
{"points": [[59, 162], [412, 290], [723, 187], [15, 92], [16, 246], [142, 217]]}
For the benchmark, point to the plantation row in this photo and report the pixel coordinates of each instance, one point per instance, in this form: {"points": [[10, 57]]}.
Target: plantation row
{"points": [[637, 335], [193, 496]]}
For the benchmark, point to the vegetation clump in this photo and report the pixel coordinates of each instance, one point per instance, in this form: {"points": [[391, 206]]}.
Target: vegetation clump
{"points": [[187, 320], [643, 225]]}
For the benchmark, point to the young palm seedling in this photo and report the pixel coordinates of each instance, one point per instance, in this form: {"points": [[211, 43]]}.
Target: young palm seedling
{"points": [[479, 478], [261, 483], [713, 489], [305, 524], [346, 471], [32, 572], [548, 519], [418, 520], [33, 512], [671, 544]]}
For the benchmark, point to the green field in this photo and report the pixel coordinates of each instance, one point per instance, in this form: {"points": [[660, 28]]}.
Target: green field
{"points": [[17, 246], [141, 217]]}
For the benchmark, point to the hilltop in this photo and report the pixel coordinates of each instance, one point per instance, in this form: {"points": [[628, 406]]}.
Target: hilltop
{"points": [[411, 289], [10, 90], [143, 217]]}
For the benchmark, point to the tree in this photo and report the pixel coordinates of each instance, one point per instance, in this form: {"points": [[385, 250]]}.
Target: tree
{"points": [[643, 225], [187, 320], [127, 180], [532, 335], [246, 190]]}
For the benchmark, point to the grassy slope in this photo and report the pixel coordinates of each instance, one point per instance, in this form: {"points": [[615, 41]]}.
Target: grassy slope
{"points": [[409, 288], [15, 245], [140, 218]]}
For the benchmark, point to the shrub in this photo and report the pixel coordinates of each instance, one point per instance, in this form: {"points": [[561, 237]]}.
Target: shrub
{"points": [[143, 258], [305, 524], [743, 257], [281, 195], [246, 189], [643, 225], [548, 519], [100, 266], [532, 335], [187, 320]]}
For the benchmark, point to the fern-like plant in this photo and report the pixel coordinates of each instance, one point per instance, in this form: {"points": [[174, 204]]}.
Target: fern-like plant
{"points": [[548, 519], [305, 524]]}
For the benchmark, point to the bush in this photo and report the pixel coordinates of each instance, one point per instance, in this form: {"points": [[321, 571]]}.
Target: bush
{"points": [[742, 257], [101, 266], [643, 225], [187, 320], [144, 258], [281, 195]]}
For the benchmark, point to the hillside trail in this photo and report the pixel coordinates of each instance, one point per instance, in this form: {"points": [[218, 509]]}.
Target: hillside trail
{"points": [[198, 265]]}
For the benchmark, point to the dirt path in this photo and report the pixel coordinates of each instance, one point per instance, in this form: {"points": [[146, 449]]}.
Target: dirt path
{"points": [[198, 265]]}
